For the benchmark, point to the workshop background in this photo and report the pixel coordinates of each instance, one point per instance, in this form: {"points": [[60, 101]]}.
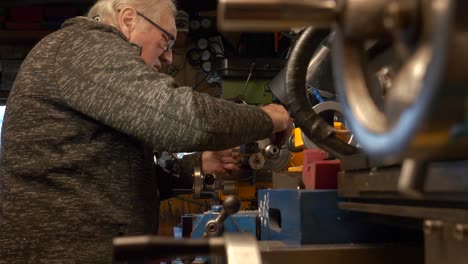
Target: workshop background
{"points": [[378, 84]]}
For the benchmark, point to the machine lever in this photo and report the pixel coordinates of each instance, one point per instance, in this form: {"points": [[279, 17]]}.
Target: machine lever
{"points": [[214, 228]]}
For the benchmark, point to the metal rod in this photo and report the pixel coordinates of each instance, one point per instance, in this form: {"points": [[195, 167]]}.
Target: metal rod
{"points": [[251, 69], [275, 15], [413, 178]]}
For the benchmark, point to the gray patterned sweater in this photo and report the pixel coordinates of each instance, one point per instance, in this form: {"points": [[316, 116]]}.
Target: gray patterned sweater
{"points": [[75, 166]]}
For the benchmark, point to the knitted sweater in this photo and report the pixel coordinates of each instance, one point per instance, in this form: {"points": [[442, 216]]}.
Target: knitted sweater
{"points": [[81, 122]]}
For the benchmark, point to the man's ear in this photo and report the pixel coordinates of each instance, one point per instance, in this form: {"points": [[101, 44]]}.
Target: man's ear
{"points": [[127, 20]]}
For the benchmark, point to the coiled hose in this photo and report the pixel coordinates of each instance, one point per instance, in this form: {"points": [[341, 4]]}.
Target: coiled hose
{"points": [[313, 126]]}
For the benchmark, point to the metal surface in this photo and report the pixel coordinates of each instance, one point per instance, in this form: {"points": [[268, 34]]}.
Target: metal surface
{"points": [[363, 18], [319, 71], [274, 15], [213, 228], [287, 180], [204, 185], [241, 222], [412, 178], [275, 252], [279, 161], [444, 182], [324, 107], [242, 249], [197, 182], [230, 187], [441, 203], [443, 242], [304, 217], [444, 220], [271, 151], [409, 211], [320, 108], [269, 156], [445, 238]]}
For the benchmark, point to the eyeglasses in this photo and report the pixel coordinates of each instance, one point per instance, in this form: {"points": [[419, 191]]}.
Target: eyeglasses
{"points": [[170, 39]]}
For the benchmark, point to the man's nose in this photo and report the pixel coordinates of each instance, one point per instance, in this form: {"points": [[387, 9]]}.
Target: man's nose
{"points": [[166, 57]]}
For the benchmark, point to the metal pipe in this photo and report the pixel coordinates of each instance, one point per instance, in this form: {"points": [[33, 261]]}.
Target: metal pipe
{"points": [[275, 15]]}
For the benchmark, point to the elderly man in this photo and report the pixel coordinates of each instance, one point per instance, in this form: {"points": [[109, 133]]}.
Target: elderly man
{"points": [[88, 107]]}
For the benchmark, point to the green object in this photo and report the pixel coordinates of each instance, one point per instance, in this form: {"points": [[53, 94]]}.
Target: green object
{"points": [[257, 91]]}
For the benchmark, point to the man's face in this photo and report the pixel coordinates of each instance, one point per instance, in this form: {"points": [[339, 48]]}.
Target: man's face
{"points": [[153, 40]]}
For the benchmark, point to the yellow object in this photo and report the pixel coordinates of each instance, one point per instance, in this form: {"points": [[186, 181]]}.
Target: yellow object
{"points": [[298, 141], [341, 127], [295, 163], [295, 169], [344, 136]]}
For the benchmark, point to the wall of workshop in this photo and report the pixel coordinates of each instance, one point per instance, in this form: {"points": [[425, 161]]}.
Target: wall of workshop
{"points": [[186, 74], [22, 26]]}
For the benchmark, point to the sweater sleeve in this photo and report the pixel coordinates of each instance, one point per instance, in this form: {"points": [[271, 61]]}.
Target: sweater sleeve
{"points": [[101, 75]]}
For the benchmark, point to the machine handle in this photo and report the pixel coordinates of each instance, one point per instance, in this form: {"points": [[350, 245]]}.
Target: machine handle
{"points": [[214, 228], [275, 15]]}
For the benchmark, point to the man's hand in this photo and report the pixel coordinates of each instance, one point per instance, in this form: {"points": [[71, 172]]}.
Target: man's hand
{"points": [[282, 123], [220, 163]]}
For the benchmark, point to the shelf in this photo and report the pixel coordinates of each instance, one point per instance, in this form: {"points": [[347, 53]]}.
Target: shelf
{"points": [[4, 96], [22, 36]]}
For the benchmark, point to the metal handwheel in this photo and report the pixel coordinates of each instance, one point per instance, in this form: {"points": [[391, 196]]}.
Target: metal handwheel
{"points": [[410, 123]]}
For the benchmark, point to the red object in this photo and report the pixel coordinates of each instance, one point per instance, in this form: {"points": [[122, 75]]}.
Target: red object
{"points": [[318, 173], [27, 13]]}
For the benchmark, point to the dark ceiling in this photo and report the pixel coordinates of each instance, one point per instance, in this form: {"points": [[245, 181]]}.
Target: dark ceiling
{"points": [[187, 5]]}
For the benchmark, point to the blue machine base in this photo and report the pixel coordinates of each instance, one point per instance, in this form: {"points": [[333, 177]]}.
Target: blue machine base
{"points": [[313, 217], [243, 221]]}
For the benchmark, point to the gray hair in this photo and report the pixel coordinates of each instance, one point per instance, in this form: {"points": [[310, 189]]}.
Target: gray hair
{"points": [[106, 10]]}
